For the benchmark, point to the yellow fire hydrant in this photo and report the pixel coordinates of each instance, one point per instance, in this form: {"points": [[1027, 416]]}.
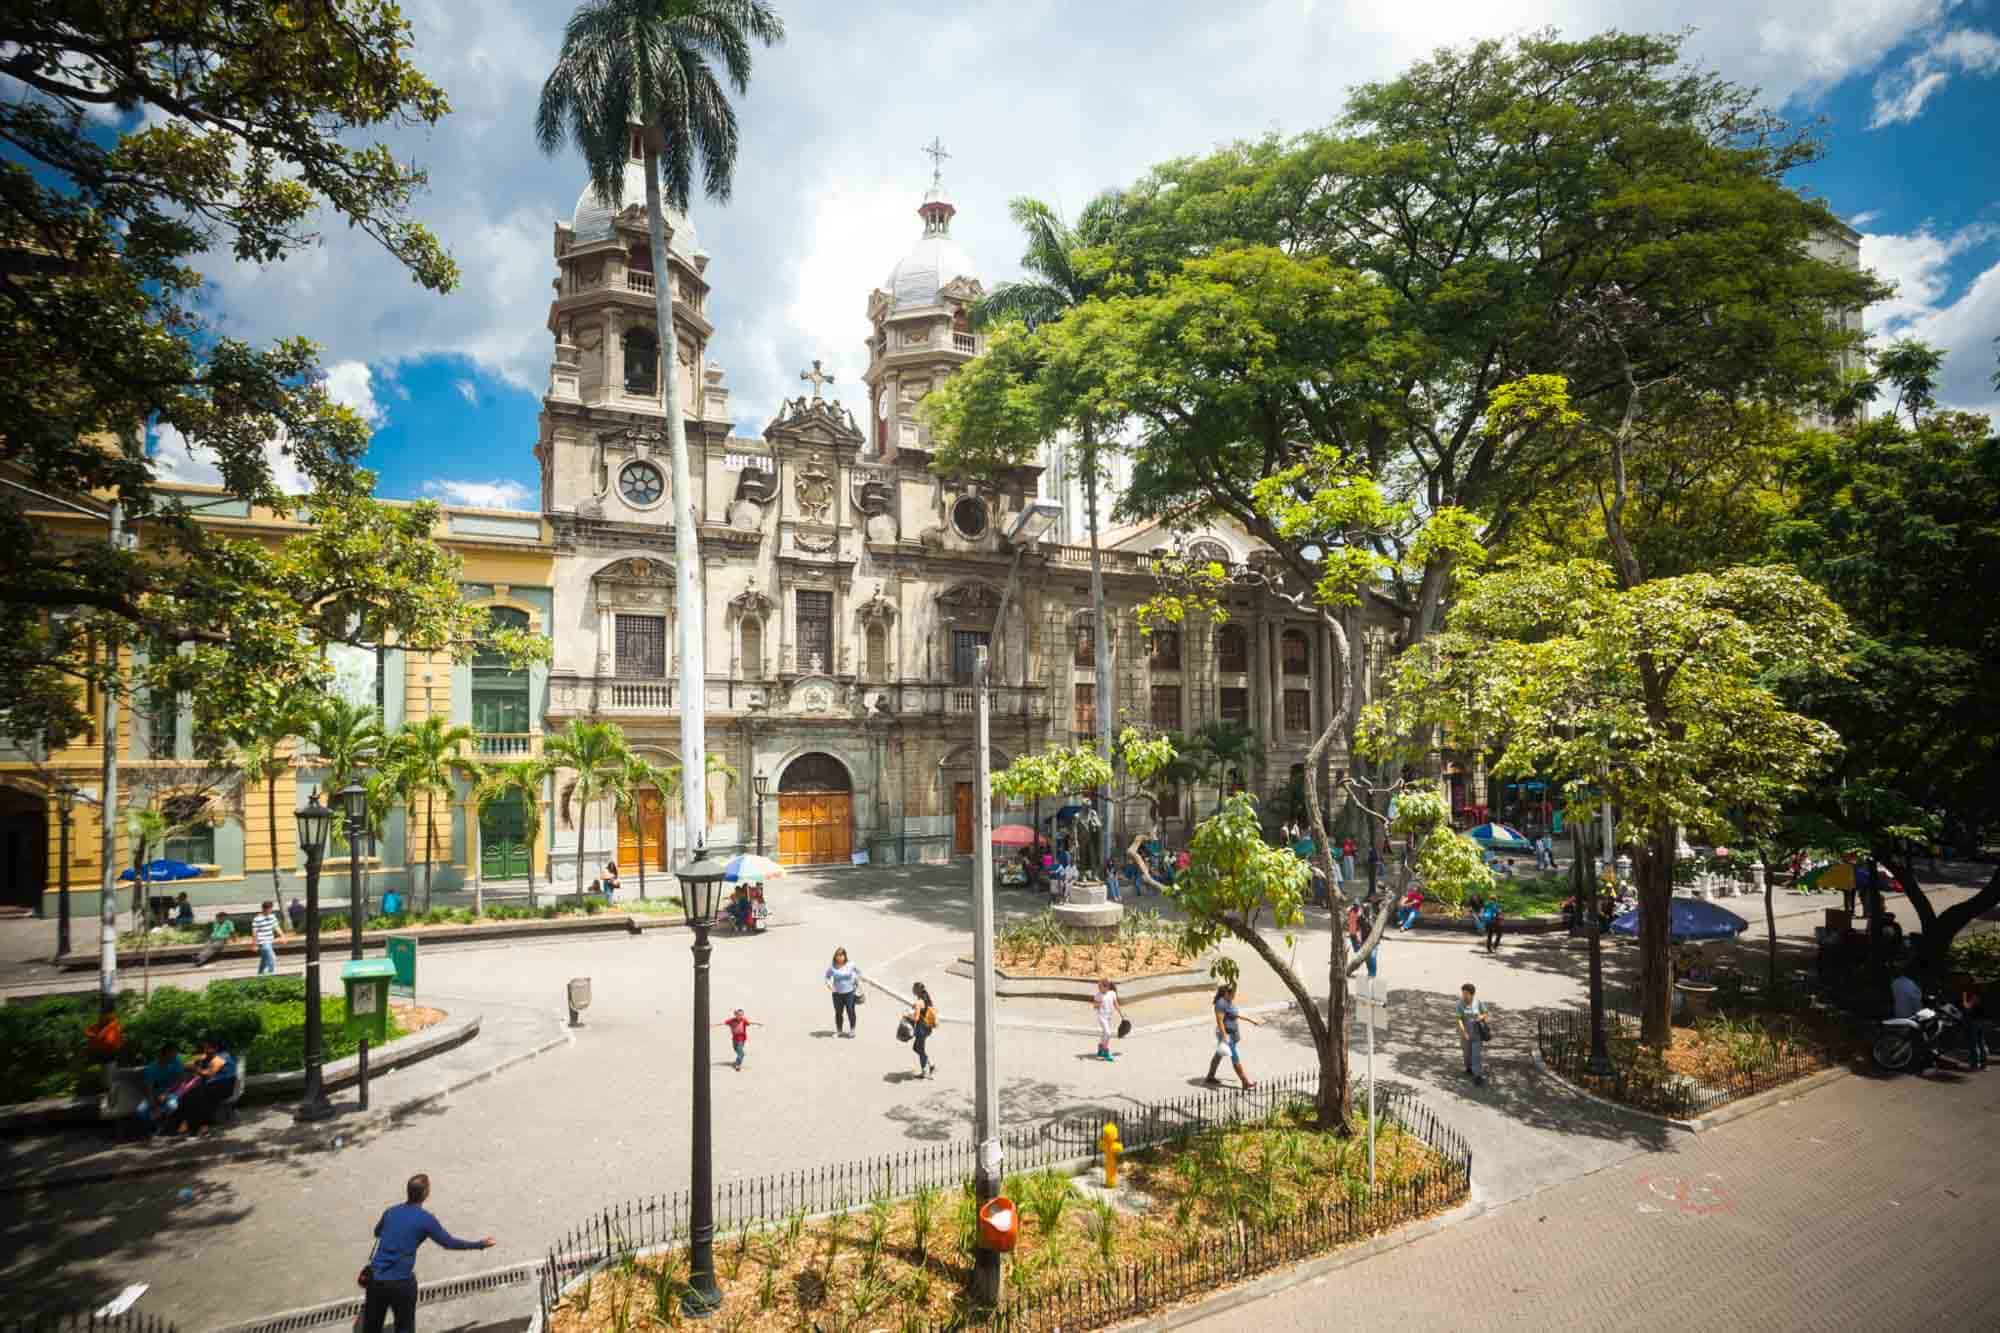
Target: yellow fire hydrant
{"points": [[1107, 1143]]}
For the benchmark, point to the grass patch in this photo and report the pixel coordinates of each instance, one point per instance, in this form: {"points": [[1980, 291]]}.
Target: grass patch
{"points": [[44, 1053], [906, 1264], [1041, 946], [1541, 896]]}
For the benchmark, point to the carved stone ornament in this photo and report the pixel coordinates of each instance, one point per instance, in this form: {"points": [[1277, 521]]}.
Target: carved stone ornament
{"points": [[812, 545], [816, 698], [750, 602], [814, 490], [756, 485], [962, 291], [877, 610], [970, 597], [872, 492]]}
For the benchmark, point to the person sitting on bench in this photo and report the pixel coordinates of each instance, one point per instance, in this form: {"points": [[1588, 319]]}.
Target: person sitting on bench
{"points": [[183, 913], [160, 1081], [203, 1103]]}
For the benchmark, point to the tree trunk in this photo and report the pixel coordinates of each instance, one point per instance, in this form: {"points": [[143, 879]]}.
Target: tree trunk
{"points": [[639, 832], [475, 838], [1940, 928], [430, 844], [1100, 635], [688, 619], [1771, 927], [533, 797], [1336, 1095], [1656, 892], [582, 837], [271, 813]]}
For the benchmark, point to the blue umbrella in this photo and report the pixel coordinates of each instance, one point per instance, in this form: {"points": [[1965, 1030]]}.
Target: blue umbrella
{"points": [[165, 872], [1690, 919], [1500, 837]]}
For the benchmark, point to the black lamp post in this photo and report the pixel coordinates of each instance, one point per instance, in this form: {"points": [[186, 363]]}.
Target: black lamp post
{"points": [[314, 822], [701, 896], [762, 785], [65, 798], [354, 801]]}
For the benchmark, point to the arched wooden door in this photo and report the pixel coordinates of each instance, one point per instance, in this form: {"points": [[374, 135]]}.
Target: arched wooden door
{"points": [[815, 812], [651, 816]]}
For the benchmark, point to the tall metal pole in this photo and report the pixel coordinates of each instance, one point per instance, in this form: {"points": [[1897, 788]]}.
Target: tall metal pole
{"points": [[107, 900], [986, 1271], [1371, 1080], [314, 1105], [703, 1296], [62, 880], [356, 830]]}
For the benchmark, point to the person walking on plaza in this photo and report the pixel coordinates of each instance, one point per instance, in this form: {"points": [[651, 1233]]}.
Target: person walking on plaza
{"points": [[1490, 920], [392, 1267], [1473, 1032], [1971, 1003], [739, 1033], [844, 980], [1109, 1014], [610, 883], [1227, 1035], [923, 1018], [1354, 928], [1347, 858], [266, 929]]}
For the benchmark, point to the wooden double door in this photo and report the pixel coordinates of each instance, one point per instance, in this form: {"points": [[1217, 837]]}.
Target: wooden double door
{"points": [[650, 816], [815, 828]]}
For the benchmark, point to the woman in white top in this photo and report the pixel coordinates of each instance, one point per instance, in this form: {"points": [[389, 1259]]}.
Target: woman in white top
{"points": [[1109, 1012]]}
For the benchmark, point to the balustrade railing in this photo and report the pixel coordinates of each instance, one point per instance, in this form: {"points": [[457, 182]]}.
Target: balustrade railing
{"points": [[965, 342], [637, 281], [504, 744]]}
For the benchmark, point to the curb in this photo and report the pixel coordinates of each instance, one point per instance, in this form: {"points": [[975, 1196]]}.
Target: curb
{"points": [[329, 1137], [1735, 1110], [1185, 981], [185, 953], [1311, 1270]]}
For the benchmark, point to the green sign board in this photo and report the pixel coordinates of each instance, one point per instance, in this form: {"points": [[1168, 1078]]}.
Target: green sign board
{"points": [[367, 984], [402, 951]]}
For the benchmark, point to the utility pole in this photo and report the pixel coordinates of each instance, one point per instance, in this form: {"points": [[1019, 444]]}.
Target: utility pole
{"points": [[986, 1271], [107, 901]]}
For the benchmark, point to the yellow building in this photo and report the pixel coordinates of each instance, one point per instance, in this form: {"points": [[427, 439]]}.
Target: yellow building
{"points": [[507, 560]]}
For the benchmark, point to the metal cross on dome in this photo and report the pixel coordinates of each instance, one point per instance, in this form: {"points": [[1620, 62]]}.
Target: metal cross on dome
{"points": [[816, 377], [937, 154]]}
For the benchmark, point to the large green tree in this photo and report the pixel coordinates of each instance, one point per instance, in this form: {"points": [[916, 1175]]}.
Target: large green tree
{"points": [[428, 755], [1898, 518], [231, 128], [653, 63], [594, 753]]}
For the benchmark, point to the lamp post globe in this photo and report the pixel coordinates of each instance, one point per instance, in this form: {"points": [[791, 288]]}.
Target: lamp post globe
{"points": [[701, 896], [314, 821]]}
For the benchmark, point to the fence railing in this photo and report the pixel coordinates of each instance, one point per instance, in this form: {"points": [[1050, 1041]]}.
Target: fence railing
{"points": [[1563, 1038], [664, 1220], [131, 1322]]}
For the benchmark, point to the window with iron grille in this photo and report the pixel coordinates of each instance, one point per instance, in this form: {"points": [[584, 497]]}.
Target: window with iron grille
{"points": [[965, 646], [1167, 648], [642, 645], [1232, 648], [1086, 646], [1298, 710], [1297, 654], [1166, 707], [1085, 717], [815, 609], [753, 648], [1235, 706], [878, 652]]}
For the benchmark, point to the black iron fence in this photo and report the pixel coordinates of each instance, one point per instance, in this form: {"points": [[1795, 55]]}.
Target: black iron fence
{"points": [[87, 1323], [1563, 1038], [664, 1220]]}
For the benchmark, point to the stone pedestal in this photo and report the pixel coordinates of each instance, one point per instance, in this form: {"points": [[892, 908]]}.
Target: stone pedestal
{"points": [[1089, 914]]}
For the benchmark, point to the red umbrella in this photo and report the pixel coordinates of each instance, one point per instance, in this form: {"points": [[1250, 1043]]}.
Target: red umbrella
{"points": [[1013, 835]]}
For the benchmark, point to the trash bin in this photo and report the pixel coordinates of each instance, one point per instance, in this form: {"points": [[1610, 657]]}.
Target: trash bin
{"points": [[999, 1224], [367, 984]]}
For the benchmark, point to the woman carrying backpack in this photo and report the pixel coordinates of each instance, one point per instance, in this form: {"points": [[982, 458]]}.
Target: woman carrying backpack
{"points": [[923, 1021], [1490, 917]]}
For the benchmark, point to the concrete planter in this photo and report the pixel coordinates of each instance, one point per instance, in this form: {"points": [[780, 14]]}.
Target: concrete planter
{"points": [[1084, 989]]}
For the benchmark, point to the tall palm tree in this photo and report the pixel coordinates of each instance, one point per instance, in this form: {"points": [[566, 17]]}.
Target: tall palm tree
{"points": [[1225, 746], [523, 778], [641, 774], [653, 62], [345, 739], [595, 755], [263, 754], [387, 788], [428, 755], [1057, 283]]}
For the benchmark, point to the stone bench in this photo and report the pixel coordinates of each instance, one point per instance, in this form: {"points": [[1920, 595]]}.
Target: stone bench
{"points": [[127, 1093]]}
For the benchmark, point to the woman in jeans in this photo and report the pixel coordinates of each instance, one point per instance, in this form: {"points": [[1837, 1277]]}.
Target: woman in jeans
{"points": [[844, 980], [923, 1021]]}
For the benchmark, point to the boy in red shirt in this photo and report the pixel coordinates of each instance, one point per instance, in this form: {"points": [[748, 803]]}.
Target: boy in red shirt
{"points": [[739, 1033]]}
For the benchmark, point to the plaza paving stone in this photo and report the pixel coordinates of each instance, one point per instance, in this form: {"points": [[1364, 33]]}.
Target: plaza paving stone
{"points": [[604, 1118]]}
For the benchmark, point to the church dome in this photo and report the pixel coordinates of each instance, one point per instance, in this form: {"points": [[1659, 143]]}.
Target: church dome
{"points": [[592, 220], [934, 261]]}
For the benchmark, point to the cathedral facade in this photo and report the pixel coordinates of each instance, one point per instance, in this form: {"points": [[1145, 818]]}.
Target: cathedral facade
{"points": [[847, 587]]}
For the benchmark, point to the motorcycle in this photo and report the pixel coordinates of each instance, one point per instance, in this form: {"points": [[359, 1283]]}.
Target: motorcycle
{"points": [[1911, 1045]]}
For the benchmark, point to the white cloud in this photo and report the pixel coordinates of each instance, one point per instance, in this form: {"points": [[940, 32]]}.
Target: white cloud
{"points": [[468, 391], [352, 383], [1900, 94], [1920, 263], [175, 458], [480, 494]]}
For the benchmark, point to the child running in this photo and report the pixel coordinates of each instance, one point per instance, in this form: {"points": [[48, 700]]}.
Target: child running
{"points": [[739, 1033], [1109, 1011]]}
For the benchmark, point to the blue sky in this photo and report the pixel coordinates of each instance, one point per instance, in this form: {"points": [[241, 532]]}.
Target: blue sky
{"points": [[1058, 101]]}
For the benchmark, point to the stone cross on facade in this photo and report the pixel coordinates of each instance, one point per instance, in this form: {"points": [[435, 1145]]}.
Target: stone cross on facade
{"points": [[816, 377], [937, 155]]}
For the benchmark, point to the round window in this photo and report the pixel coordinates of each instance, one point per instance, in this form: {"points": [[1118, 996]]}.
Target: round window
{"points": [[969, 516], [641, 484]]}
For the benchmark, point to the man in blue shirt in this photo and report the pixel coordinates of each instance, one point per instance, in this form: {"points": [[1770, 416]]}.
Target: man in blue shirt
{"points": [[392, 1268]]}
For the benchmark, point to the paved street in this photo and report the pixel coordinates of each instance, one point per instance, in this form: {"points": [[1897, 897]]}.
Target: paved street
{"points": [[529, 1153], [1864, 1205]]}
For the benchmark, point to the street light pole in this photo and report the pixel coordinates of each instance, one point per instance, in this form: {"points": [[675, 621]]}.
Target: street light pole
{"points": [[314, 820], [701, 884], [65, 797], [991, 1165], [761, 784]]}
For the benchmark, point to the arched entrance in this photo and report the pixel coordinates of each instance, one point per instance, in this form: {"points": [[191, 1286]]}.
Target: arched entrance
{"points": [[24, 841], [815, 812], [645, 822], [956, 769]]}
